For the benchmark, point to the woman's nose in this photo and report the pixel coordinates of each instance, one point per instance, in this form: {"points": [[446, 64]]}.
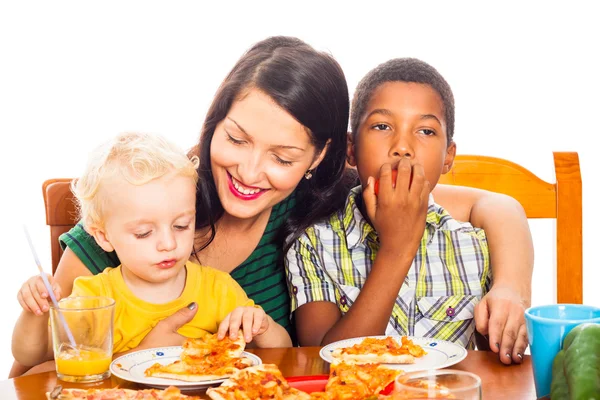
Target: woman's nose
{"points": [[250, 170]]}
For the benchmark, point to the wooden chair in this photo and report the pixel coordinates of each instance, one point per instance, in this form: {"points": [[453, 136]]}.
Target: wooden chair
{"points": [[61, 214], [540, 199]]}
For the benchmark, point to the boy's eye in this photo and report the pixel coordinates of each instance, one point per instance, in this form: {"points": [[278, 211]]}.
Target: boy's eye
{"points": [[181, 227], [427, 132], [142, 235], [381, 127], [234, 140]]}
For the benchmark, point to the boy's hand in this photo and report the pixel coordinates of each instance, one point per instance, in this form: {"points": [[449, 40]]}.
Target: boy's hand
{"points": [[34, 297], [253, 320], [399, 213], [501, 315]]}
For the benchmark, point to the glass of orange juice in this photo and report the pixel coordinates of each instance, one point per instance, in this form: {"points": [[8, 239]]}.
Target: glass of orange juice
{"points": [[90, 322]]}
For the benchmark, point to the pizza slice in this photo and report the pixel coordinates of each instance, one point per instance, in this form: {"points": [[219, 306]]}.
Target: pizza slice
{"points": [[263, 381], [380, 350], [207, 371], [170, 393], [196, 351], [204, 359], [357, 381]]}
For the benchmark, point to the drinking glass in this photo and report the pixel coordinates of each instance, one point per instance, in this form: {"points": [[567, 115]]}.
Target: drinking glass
{"points": [[90, 321], [437, 384]]}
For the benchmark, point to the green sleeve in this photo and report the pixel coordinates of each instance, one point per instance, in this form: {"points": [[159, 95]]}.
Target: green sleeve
{"points": [[87, 250]]}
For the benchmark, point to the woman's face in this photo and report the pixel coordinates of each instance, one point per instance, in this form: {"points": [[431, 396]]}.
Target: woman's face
{"points": [[259, 154]]}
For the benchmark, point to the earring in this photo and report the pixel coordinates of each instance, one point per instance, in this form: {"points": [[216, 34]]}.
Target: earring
{"points": [[308, 174]]}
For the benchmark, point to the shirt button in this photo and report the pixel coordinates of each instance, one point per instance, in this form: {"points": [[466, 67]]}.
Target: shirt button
{"points": [[295, 289], [450, 312], [343, 300]]}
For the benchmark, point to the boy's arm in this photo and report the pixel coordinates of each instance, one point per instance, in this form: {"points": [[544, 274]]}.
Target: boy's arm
{"points": [[32, 339], [398, 215], [500, 312], [320, 322]]}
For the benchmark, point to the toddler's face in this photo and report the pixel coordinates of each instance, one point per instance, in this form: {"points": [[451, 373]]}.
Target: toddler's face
{"points": [[151, 226], [402, 120]]}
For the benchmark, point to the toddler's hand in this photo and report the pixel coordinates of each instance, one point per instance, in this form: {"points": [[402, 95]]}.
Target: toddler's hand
{"points": [[34, 297], [253, 321]]}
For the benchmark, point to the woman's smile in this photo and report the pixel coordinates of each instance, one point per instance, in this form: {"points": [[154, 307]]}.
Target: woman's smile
{"points": [[242, 191]]}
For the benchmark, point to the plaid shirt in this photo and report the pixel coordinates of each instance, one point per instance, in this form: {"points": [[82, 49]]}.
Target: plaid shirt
{"points": [[449, 275]]}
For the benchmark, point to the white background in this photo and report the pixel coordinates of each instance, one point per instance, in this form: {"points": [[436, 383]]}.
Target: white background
{"points": [[72, 74]]}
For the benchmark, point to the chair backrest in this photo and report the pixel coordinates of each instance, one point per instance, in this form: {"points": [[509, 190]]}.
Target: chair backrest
{"points": [[61, 214], [540, 199]]}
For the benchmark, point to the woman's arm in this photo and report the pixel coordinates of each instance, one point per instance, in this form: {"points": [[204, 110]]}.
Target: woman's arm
{"points": [[500, 313], [69, 267]]}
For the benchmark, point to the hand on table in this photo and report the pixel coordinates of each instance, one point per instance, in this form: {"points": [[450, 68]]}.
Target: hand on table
{"points": [[501, 316]]}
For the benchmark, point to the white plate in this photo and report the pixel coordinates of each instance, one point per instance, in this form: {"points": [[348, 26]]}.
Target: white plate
{"points": [[440, 353], [131, 367]]}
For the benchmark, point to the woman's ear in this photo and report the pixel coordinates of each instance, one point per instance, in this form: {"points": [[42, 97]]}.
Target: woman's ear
{"points": [[101, 238], [321, 156], [449, 159], [350, 157]]}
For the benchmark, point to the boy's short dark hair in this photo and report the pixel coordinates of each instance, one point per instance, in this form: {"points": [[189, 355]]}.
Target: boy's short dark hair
{"points": [[402, 70]]}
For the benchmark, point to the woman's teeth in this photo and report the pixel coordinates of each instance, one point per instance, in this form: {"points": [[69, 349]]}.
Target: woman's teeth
{"points": [[242, 189]]}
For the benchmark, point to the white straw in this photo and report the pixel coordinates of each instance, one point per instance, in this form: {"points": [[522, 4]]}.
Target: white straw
{"points": [[50, 291]]}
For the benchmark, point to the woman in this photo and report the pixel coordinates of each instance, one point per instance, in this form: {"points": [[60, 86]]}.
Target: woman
{"points": [[272, 161]]}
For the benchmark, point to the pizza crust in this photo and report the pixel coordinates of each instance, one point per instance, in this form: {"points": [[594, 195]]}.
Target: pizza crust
{"points": [[170, 393], [373, 358]]}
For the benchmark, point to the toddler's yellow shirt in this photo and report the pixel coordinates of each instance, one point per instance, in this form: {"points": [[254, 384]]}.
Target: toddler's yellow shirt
{"points": [[215, 292]]}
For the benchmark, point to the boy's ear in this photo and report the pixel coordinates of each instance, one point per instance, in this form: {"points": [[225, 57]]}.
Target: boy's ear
{"points": [[449, 159], [101, 238], [350, 157], [321, 156]]}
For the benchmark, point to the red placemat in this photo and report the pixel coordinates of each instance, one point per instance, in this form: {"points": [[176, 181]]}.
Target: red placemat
{"points": [[308, 384]]}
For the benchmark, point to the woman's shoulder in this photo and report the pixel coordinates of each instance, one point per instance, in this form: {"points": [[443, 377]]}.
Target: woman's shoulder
{"points": [[84, 246]]}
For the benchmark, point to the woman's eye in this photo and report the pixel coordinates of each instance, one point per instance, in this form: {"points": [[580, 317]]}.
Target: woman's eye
{"points": [[381, 127], [427, 132], [283, 162], [181, 227], [142, 235], [234, 140]]}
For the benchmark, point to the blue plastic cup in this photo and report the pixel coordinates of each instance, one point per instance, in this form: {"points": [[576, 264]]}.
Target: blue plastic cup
{"points": [[547, 327]]}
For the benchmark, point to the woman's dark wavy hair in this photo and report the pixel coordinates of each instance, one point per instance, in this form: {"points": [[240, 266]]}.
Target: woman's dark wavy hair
{"points": [[311, 86]]}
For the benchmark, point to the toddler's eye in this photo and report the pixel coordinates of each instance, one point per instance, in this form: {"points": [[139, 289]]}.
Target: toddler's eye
{"points": [[427, 132], [181, 227], [142, 235]]}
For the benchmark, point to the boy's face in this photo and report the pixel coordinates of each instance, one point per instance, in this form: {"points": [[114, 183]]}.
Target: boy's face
{"points": [[402, 120], [151, 226]]}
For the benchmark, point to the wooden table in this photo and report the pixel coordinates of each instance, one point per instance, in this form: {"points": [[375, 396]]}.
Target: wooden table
{"points": [[499, 381]]}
